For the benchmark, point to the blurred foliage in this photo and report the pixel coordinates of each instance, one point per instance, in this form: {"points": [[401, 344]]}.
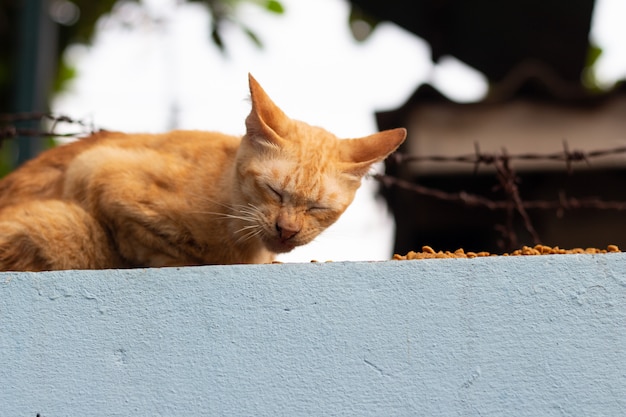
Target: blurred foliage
{"points": [[75, 22], [221, 12], [225, 11], [362, 24], [589, 77], [7, 155], [83, 27]]}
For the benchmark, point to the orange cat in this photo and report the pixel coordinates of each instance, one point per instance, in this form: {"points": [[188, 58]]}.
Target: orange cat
{"points": [[117, 200]]}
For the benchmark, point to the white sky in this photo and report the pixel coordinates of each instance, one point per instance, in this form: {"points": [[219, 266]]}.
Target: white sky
{"points": [[310, 66], [609, 32]]}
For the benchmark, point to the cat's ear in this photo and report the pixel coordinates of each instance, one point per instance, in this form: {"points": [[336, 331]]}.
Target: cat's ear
{"points": [[266, 123], [358, 155]]}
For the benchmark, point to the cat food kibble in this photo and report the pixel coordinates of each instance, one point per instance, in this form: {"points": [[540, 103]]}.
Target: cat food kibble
{"points": [[429, 253]]}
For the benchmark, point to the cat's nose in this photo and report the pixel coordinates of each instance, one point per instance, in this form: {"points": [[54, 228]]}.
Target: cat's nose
{"points": [[286, 231]]}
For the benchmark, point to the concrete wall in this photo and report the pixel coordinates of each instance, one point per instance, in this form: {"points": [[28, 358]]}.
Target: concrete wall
{"points": [[534, 336]]}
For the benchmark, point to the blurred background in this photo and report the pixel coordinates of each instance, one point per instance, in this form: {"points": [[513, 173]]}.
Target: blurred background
{"points": [[516, 111]]}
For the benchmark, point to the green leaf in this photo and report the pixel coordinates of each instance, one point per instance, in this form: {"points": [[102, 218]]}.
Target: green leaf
{"points": [[253, 37], [362, 24], [274, 6], [217, 38], [593, 53], [65, 73]]}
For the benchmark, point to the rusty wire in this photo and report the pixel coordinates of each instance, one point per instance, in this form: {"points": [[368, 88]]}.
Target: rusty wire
{"points": [[508, 181], [9, 126], [485, 158], [474, 200]]}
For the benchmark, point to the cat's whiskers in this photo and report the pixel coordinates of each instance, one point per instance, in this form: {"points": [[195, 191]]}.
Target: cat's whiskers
{"points": [[248, 213], [252, 226], [254, 231], [246, 218], [248, 208]]}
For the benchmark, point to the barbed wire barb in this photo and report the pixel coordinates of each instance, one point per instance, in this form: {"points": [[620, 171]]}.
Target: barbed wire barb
{"points": [[9, 126], [507, 182]]}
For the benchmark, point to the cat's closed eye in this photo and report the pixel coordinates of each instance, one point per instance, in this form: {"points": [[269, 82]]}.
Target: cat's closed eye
{"points": [[277, 194], [318, 209]]}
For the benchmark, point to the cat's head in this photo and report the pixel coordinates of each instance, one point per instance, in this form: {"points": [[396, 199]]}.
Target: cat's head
{"points": [[294, 180]]}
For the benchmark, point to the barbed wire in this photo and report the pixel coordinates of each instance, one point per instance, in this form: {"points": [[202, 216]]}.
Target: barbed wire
{"points": [[484, 158], [10, 129], [508, 181], [561, 204]]}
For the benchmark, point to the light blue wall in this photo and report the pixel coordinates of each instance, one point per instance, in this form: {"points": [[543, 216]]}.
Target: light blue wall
{"points": [[533, 336]]}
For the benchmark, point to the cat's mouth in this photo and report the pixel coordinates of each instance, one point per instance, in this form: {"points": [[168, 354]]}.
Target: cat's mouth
{"points": [[278, 245]]}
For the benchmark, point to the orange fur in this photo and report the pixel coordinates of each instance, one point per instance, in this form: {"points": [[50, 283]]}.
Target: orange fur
{"points": [[116, 200]]}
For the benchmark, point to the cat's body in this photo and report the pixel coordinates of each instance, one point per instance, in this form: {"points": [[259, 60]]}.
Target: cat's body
{"points": [[117, 200]]}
